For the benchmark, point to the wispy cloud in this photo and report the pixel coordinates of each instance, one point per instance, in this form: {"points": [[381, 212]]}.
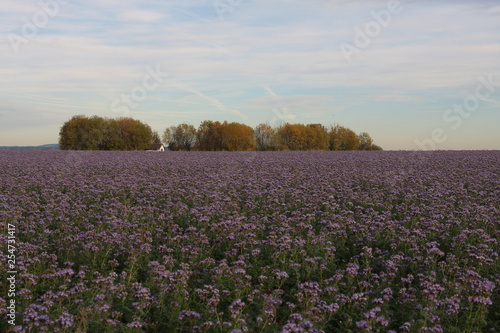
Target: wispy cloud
{"points": [[141, 16], [212, 100]]}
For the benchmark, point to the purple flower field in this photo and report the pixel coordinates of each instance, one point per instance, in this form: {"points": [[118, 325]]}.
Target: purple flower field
{"points": [[252, 241]]}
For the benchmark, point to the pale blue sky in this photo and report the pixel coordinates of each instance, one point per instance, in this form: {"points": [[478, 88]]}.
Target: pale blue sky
{"points": [[255, 61]]}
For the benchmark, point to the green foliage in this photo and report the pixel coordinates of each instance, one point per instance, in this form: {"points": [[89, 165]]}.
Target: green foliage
{"points": [[180, 137], [365, 141], [342, 138], [266, 138], [209, 136], [97, 133]]}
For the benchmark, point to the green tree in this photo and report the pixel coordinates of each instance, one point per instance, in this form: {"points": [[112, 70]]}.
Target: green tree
{"points": [[155, 138], [266, 137], [365, 141], [82, 133], [342, 138], [209, 136], [111, 136], [180, 137], [69, 134], [97, 133], [135, 134], [375, 147]]}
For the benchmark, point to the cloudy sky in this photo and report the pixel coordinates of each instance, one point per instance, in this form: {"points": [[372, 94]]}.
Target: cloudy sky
{"points": [[414, 74]]}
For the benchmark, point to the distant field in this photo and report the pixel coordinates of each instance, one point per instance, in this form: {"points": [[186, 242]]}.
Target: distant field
{"points": [[250, 241]]}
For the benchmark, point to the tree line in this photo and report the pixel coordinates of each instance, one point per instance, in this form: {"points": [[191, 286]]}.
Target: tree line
{"points": [[97, 133], [217, 136]]}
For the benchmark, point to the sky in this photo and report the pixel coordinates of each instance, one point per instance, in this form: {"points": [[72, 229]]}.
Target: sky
{"points": [[414, 74]]}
